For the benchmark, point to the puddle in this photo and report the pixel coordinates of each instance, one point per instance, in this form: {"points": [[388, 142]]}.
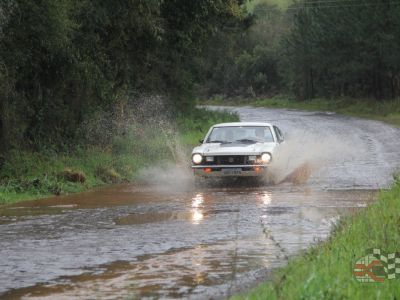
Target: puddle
{"points": [[153, 217], [195, 244]]}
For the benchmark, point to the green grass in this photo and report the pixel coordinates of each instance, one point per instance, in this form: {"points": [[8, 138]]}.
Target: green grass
{"points": [[280, 3], [325, 271], [387, 111], [28, 175]]}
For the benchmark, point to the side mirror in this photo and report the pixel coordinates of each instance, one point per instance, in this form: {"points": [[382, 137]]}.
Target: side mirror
{"points": [[201, 141]]}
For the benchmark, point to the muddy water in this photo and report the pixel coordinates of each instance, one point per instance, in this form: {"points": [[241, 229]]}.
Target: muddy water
{"points": [[173, 240]]}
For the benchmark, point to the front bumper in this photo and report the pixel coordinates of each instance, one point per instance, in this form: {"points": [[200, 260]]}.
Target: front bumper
{"points": [[230, 170]]}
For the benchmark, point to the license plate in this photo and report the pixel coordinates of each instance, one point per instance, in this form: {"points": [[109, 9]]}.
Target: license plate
{"points": [[231, 171]]}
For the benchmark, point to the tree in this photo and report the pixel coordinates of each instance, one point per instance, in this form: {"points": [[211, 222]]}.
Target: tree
{"points": [[346, 50], [63, 60]]}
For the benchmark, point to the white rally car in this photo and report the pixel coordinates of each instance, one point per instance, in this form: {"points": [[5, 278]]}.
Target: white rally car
{"points": [[240, 149]]}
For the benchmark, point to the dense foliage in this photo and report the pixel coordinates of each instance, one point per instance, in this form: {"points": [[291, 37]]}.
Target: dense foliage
{"points": [[345, 49], [245, 62], [63, 60], [313, 49]]}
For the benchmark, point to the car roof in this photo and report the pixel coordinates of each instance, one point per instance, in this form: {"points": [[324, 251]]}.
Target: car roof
{"points": [[234, 124]]}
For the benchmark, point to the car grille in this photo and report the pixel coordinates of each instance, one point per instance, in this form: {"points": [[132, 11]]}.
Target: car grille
{"points": [[229, 160]]}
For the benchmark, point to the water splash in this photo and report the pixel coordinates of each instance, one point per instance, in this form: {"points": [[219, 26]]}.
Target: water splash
{"points": [[167, 178], [306, 154], [143, 131]]}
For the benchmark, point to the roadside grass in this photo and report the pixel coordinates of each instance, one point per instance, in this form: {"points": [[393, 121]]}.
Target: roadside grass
{"points": [[386, 111], [325, 271], [26, 175], [280, 3]]}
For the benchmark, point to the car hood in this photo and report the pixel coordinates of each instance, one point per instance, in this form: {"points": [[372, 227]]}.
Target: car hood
{"points": [[234, 149]]}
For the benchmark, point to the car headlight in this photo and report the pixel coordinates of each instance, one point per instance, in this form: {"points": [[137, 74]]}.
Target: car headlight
{"points": [[266, 158], [197, 158]]}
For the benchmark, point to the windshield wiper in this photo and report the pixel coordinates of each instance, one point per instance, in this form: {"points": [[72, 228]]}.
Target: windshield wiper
{"points": [[246, 141], [222, 142]]}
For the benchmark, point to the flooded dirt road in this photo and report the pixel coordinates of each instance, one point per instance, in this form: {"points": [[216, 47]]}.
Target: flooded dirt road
{"points": [[167, 239]]}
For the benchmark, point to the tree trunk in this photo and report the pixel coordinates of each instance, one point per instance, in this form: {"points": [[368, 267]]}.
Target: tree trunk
{"points": [[2, 142], [2, 135]]}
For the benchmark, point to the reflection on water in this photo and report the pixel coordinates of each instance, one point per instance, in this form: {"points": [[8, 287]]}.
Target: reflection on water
{"points": [[197, 200], [197, 216], [197, 211], [264, 198], [194, 244]]}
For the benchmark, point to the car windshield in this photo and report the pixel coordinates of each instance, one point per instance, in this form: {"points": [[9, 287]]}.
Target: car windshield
{"points": [[244, 134]]}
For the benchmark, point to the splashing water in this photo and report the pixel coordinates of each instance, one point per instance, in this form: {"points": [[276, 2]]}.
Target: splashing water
{"points": [[172, 175], [167, 178], [144, 130], [306, 154]]}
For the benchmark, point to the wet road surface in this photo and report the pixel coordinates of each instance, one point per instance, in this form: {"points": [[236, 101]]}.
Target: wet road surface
{"points": [[167, 239]]}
